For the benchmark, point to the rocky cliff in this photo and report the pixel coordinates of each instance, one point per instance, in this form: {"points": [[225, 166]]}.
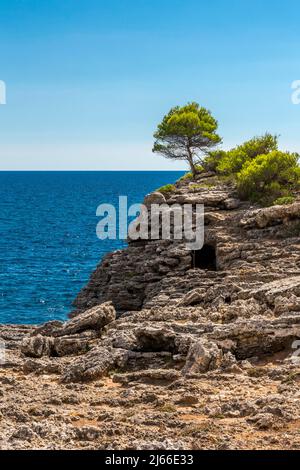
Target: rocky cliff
{"points": [[248, 245], [169, 348]]}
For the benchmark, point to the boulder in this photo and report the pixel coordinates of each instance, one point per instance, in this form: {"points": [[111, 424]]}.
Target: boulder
{"points": [[42, 366], [285, 287], [203, 356], [72, 345], [154, 198], [285, 305], [155, 339], [194, 297], [93, 319], [268, 216], [212, 198], [37, 346], [50, 328], [95, 364]]}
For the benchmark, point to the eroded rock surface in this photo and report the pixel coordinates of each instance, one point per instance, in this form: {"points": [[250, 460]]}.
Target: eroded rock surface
{"points": [[163, 354]]}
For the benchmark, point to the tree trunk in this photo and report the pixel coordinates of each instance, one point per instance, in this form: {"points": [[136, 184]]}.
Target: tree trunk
{"points": [[191, 162]]}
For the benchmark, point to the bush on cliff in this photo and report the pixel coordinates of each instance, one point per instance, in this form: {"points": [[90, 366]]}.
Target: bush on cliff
{"points": [[269, 176], [262, 172], [189, 176], [168, 188], [213, 159], [284, 201], [232, 161]]}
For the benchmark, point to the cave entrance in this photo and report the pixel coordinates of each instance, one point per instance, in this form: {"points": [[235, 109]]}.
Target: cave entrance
{"points": [[205, 258]]}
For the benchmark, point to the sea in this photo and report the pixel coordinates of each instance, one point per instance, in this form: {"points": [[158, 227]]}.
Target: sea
{"points": [[48, 241]]}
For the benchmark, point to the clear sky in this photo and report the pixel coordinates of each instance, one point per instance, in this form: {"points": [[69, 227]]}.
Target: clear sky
{"points": [[88, 80]]}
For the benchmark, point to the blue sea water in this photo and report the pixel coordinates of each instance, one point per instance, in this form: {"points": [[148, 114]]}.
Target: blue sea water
{"points": [[48, 242]]}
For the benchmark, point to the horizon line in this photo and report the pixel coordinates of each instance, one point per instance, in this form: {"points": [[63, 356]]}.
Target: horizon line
{"points": [[35, 170]]}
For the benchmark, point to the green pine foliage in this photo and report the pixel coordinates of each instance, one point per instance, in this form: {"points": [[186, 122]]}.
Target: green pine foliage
{"points": [[186, 133], [232, 161], [269, 177], [262, 172]]}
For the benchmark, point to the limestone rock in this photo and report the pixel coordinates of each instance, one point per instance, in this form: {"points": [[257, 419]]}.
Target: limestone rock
{"points": [[42, 366], [154, 198], [23, 432], [285, 287], [194, 297], [94, 364], [37, 346], [262, 218], [167, 339], [263, 421], [202, 357], [159, 375], [232, 203], [93, 319], [155, 339], [72, 344], [49, 328], [286, 304]]}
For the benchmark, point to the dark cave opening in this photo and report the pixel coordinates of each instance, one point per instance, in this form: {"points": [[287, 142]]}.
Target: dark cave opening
{"points": [[205, 258]]}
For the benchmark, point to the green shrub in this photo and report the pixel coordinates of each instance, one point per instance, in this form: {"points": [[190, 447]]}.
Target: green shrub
{"points": [[257, 372], [269, 176], [189, 176], [262, 172], [213, 159], [199, 168], [284, 200], [232, 161], [259, 145], [168, 188]]}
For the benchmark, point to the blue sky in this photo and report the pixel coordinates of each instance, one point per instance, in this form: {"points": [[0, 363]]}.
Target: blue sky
{"points": [[88, 80]]}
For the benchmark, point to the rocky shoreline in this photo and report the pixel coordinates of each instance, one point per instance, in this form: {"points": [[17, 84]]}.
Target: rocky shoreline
{"points": [[163, 352]]}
